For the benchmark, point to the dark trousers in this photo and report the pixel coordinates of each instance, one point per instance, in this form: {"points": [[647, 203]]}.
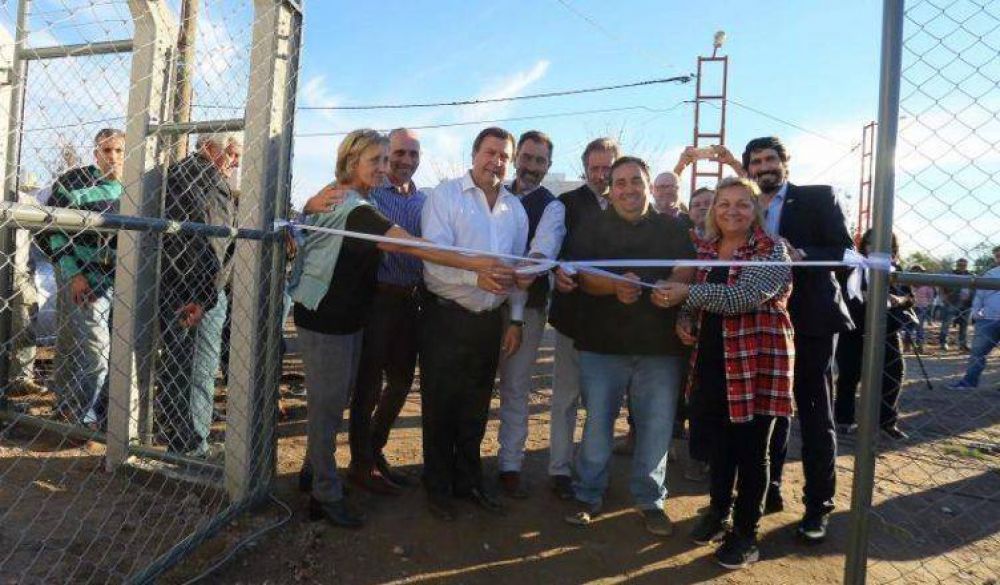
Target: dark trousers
{"points": [[849, 348], [459, 352], [739, 456], [812, 392], [389, 352]]}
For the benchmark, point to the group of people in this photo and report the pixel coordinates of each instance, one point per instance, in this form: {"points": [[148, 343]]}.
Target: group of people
{"points": [[195, 274], [762, 335], [725, 348]]}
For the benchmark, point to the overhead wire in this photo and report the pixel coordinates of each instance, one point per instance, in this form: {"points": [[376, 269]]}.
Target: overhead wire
{"points": [[476, 102], [608, 33], [656, 111]]}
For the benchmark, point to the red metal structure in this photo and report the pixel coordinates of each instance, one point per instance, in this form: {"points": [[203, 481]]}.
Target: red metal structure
{"points": [[705, 137], [865, 188]]}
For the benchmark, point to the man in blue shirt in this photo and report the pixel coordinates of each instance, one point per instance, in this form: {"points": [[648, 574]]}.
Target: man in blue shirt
{"points": [[985, 314], [389, 348]]}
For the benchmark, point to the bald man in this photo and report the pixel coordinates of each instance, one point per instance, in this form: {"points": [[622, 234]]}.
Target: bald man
{"points": [[389, 349], [665, 194]]}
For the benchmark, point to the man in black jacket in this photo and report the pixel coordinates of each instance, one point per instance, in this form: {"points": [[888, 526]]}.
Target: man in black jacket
{"points": [[810, 221], [194, 271], [583, 205]]}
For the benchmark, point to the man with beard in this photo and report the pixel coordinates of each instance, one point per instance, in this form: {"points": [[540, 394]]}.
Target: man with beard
{"points": [[811, 223], [462, 324], [583, 205], [545, 234]]}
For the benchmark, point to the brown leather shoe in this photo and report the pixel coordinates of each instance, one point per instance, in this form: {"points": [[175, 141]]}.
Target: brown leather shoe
{"points": [[370, 481], [397, 478], [510, 484]]}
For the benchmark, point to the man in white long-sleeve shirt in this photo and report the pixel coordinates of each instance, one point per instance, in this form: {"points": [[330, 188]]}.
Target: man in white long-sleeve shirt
{"points": [[462, 322], [546, 229]]}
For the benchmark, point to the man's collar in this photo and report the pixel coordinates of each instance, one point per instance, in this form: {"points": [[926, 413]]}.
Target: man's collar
{"points": [[388, 184], [468, 183], [780, 195]]}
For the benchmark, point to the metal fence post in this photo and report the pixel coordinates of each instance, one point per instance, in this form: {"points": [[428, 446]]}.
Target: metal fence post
{"points": [[875, 312], [135, 279], [14, 98], [259, 265]]}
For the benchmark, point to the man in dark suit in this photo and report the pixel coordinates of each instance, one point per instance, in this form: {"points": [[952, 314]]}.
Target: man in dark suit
{"points": [[810, 221]]}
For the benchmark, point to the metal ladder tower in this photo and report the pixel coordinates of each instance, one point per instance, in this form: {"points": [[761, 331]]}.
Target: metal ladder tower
{"points": [[865, 187], [715, 96]]}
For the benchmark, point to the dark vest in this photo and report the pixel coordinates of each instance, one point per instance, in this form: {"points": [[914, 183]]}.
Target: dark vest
{"points": [[534, 205]]}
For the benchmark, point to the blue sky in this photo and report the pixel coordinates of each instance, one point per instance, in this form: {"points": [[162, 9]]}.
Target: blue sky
{"points": [[811, 63]]}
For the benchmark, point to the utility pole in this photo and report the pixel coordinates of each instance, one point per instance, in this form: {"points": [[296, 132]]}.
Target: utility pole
{"points": [[183, 71]]}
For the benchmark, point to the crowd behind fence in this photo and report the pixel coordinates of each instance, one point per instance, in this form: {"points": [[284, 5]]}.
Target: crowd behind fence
{"points": [[132, 239], [100, 230]]}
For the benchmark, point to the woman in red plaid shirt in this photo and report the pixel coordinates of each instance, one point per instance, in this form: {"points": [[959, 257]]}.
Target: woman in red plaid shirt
{"points": [[741, 374]]}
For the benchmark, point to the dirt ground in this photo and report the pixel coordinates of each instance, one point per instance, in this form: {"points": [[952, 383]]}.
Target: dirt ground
{"points": [[918, 532], [934, 519]]}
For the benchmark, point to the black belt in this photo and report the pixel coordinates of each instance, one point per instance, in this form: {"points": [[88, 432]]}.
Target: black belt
{"points": [[397, 290], [452, 305]]}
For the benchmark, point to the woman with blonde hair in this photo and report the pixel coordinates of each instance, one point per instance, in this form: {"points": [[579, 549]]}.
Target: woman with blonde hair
{"points": [[741, 368], [332, 287]]}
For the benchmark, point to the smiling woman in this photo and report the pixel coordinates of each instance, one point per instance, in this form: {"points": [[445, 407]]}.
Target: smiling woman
{"points": [[333, 288], [742, 366]]}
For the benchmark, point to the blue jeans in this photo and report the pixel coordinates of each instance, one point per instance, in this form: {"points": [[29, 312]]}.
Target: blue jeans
{"points": [[914, 332], [987, 337], [653, 383], [189, 362], [84, 399]]}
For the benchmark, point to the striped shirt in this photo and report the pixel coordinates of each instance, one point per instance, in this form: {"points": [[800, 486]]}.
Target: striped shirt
{"points": [[404, 211], [88, 252]]}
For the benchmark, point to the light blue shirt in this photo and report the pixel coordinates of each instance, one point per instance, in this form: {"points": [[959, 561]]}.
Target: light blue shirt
{"points": [[986, 304], [772, 215]]}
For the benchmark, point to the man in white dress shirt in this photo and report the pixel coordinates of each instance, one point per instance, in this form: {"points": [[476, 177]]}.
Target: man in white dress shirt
{"points": [[462, 322], [546, 228]]}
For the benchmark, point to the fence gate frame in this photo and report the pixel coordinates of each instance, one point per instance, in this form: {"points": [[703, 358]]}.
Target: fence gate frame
{"points": [[259, 260]]}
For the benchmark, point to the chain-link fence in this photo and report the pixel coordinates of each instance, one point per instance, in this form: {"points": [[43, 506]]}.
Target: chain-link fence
{"points": [[147, 148], [935, 507]]}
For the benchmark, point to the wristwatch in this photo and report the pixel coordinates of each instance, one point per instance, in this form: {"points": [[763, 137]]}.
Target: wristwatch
{"points": [[517, 323]]}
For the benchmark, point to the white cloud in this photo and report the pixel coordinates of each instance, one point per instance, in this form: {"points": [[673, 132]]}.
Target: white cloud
{"points": [[506, 87], [446, 151]]}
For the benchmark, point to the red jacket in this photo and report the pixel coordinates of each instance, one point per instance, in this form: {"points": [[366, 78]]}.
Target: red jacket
{"points": [[758, 339]]}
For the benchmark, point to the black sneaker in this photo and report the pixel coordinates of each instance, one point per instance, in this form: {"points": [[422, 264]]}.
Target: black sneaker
{"points": [[711, 527], [812, 528], [737, 552], [337, 513], [562, 487], [657, 522], [773, 502]]}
